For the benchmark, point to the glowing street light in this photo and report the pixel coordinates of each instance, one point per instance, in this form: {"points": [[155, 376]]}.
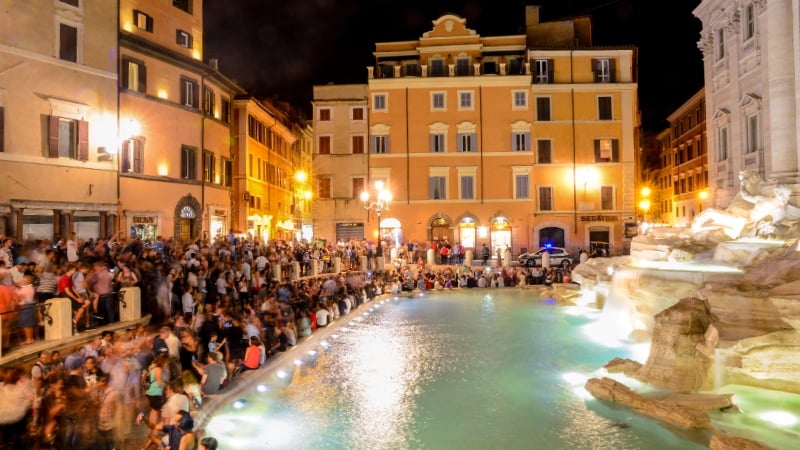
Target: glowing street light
{"points": [[378, 201]]}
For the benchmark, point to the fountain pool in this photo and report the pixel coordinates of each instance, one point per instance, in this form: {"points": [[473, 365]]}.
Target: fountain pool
{"points": [[470, 369]]}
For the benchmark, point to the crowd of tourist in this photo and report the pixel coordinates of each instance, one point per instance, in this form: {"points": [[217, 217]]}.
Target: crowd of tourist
{"points": [[220, 311]]}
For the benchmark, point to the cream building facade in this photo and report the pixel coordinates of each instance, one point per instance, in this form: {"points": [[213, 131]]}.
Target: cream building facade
{"points": [[519, 142], [750, 54], [58, 105], [175, 155], [341, 136]]}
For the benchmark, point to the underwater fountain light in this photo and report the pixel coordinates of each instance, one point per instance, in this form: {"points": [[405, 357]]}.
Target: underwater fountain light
{"points": [[312, 352], [239, 404], [262, 388], [780, 418], [324, 344], [282, 374], [298, 362]]}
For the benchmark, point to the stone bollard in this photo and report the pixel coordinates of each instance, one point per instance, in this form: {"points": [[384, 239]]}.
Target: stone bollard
{"points": [[379, 263], [337, 265], [431, 257], [58, 309], [130, 304], [363, 263], [507, 258], [276, 272], [583, 257], [295, 270], [468, 258], [314, 267], [545, 260]]}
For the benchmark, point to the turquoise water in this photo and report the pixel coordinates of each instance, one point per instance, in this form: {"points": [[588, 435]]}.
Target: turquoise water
{"points": [[474, 369]]}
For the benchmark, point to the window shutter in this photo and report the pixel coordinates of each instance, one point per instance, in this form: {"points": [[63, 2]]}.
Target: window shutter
{"points": [[596, 150], [373, 144], [473, 142], [596, 69], [432, 188], [513, 141], [53, 150], [138, 154], [527, 138], [612, 73], [460, 142], [195, 95], [550, 71], [433, 143], [125, 68], [83, 140], [2, 128], [615, 150], [386, 140]]}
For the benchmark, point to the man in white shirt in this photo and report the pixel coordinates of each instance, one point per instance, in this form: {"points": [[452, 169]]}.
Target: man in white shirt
{"points": [[72, 248]]}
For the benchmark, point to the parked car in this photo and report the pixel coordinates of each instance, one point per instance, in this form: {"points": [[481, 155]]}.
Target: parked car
{"points": [[558, 257]]}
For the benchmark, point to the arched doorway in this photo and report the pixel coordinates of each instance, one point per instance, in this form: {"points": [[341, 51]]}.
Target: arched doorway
{"points": [[188, 219], [467, 232], [441, 230], [551, 237], [599, 241], [500, 234]]}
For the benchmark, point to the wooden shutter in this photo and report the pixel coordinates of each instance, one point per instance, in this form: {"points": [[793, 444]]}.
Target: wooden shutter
{"points": [[142, 78], [83, 140], [612, 73], [124, 82], [550, 71], [527, 138], [53, 133], [138, 156], [2, 128], [596, 69], [615, 150], [473, 142]]}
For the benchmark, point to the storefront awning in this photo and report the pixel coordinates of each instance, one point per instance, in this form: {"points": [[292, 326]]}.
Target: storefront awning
{"points": [[390, 222]]}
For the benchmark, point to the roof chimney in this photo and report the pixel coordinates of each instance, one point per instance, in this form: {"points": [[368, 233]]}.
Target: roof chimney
{"points": [[214, 62]]}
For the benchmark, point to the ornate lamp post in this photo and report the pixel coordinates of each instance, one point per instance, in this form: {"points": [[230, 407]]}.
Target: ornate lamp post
{"points": [[379, 201]]}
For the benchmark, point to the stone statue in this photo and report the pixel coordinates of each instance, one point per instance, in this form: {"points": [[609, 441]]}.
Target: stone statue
{"points": [[752, 213]]}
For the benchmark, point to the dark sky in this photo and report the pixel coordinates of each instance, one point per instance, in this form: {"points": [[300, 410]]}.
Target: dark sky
{"points": [[280, 49]]}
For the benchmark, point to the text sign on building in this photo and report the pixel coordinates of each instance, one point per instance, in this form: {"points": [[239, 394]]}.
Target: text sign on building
{"points": [[143, 220], [599, 218]]}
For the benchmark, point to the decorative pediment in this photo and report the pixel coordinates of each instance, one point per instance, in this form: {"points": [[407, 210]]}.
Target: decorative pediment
{"points": [[438, 127], [466, 127], [380, 129], [521, 126], [721, 113], [750, 100], [449, 25]]}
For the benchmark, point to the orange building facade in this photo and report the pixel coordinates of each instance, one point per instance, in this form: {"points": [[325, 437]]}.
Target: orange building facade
{"points": [[495, 140]]}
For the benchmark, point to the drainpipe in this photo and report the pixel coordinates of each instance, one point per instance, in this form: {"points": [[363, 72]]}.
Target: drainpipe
{"points": [[574, 150], [203, 211], [408, 161], [118, 165]]}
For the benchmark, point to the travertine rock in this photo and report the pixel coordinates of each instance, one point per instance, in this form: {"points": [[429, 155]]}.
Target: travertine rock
{"points": [[722, 441]]}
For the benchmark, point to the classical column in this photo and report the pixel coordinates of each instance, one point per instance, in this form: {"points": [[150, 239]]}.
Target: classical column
{"points": [[101, 232], [780, 86], [19, 223], [57, 223]]}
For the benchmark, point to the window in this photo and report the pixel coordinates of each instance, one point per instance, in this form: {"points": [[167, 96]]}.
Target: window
{"points": [[380, 144], [462, 67], [183, 38], [749, 22], [143, 21], [437, 67], [225, 110], [2, 128], [69, 138], [467, 187], [465, 100], [603, 69], [183, 5], [606, 150], [520, 142], [719, 44], [324, 187], [545, 198], [604, 108], [188, 163], [358, 113], [543, 108], [134, 75], [521, 183], [437, 188], [543, 71], [753, 140], [75, 3], [438, 143], [437, 101], [189, 93], [208, 167], [68, 43], [250, 164], [132, 156], [324, 114], [722, 144], [544, 153], [466, 142], [208, 100], [357, 144], [606, 198], [359, 184], [520, 99], [324, 145], [226, 171], [380, 102]]}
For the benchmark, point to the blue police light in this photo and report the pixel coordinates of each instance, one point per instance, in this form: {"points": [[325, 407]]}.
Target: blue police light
{"points": [[548, 245]]}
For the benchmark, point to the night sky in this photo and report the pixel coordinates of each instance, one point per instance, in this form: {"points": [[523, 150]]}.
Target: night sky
{"points": [[281, 49]]}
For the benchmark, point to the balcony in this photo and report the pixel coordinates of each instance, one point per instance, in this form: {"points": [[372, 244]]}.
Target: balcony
{"points": [[460, 68]]}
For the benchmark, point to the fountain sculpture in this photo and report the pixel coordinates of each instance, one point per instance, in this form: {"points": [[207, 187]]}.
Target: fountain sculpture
{"points": [[719, 302]]}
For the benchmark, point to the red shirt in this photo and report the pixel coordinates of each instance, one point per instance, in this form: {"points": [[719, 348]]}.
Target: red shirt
{"points": [[64, 283]]}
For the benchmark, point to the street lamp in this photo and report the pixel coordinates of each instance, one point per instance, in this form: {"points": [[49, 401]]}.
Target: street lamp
{"points": [[644, 205], [378, 202]]}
